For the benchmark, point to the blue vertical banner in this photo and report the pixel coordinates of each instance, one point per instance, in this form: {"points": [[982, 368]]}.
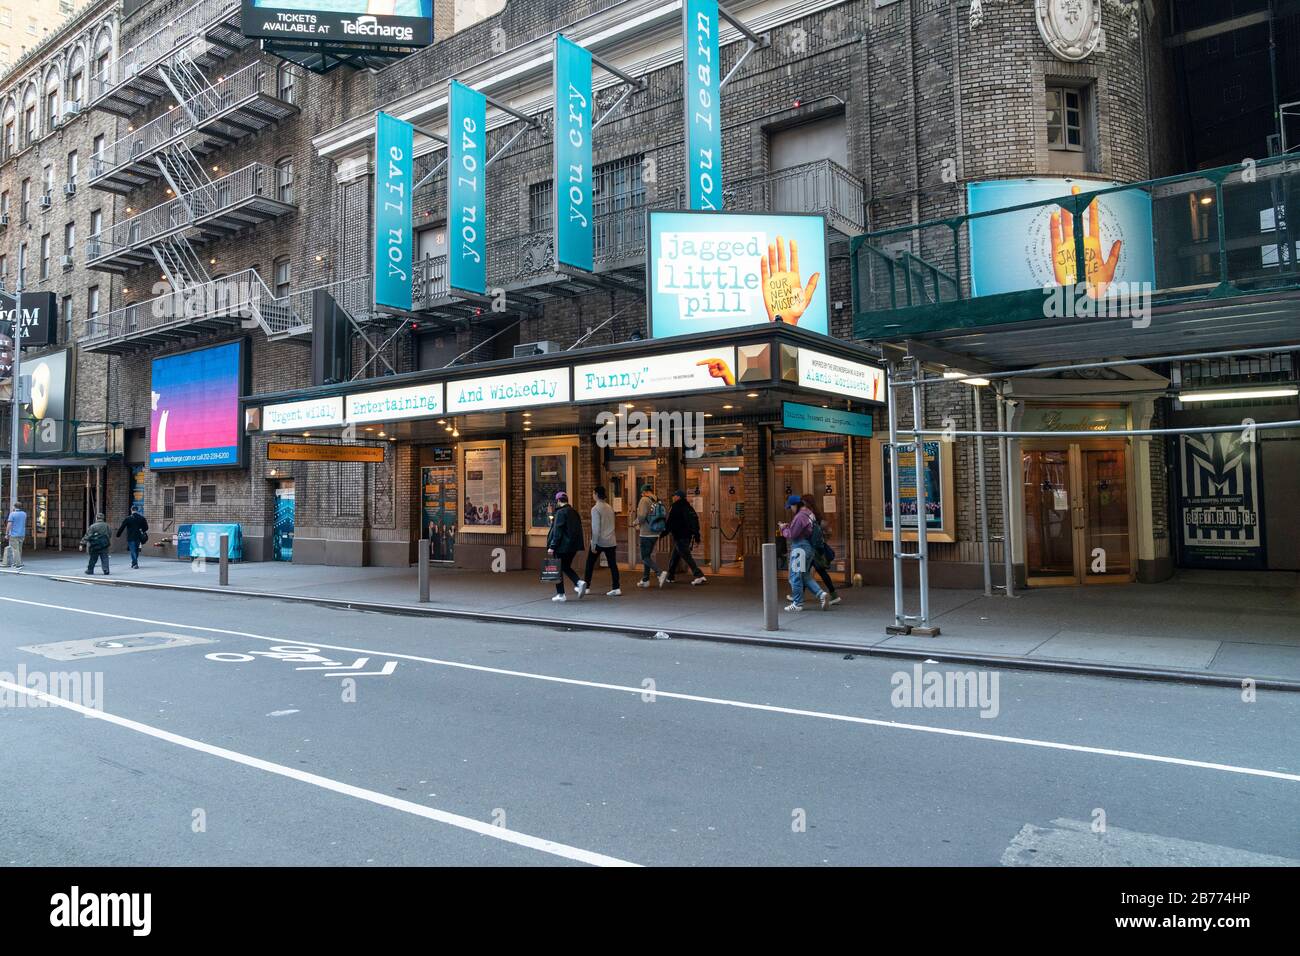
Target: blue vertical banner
{"points": [[394, 163], [466, 190], [703, 104], [574, 234]]}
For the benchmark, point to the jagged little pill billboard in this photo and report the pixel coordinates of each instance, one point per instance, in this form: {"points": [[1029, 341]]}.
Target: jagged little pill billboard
{"points": [[711, 271]]}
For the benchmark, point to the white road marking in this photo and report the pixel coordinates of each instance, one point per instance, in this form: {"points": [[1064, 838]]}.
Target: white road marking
{"points": [[325, 783], [721, 701]]}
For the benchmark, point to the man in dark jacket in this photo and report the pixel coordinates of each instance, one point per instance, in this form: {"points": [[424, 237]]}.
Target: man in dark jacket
{"points": [[684, 527], [97, 541], [137, 533], [564, 541]]}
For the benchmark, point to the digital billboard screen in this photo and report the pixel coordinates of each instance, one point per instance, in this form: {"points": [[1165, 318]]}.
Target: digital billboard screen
{"points": [[712, 270], [194, 399], [356, 22]]}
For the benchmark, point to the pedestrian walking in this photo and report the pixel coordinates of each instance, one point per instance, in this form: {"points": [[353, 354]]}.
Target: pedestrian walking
{"points": [[684, 529], [15, 531], [97, 539], [602, 542], [798, 532], [137, 533], [564, 541], [651, 525], [823, 554]]}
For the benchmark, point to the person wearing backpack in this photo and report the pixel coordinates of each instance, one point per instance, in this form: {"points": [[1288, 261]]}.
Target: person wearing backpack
{"points": [[798, 532], [651, 524], [97, 539], [564, 541], [684, 528], [137, 533], [823, 554]]}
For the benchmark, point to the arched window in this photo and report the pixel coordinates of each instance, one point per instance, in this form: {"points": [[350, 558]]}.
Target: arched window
{"points": [[102, 61], [53, 99], [284, 179], [30, 122], [76, 88], [10, 127]]}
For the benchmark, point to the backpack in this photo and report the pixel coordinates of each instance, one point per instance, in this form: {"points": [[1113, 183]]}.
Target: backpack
{"points": [[693, 522], [823, 553], [657, 518], [97, 541]]}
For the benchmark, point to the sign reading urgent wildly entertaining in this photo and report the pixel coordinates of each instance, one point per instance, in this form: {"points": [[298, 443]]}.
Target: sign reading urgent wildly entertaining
{"points": [[467, 190], [394, 163], [194, 401], [728, 270], [574, 236], [345, 22]]}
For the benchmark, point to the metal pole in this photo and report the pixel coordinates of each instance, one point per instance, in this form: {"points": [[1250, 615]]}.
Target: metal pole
{"points": [[424, 570], [59, 496], [900, 626], [983, 496], [1004, 464], [17, 373], [848, 504], [771, 603], [922, 533], [223, 562]]}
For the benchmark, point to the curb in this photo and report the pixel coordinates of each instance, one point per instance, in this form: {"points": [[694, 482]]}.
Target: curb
{"points": [[863, 650]]}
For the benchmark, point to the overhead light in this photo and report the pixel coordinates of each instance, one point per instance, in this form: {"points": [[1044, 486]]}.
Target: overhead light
{"points": [[952, 373], [527, 429], [306, 434], [629, 405], [728, 406], [455, 433], [1236, 394], [751, 394], [1206, 200], [977, 382], [381, 435], [442, 421], [708, 414]]}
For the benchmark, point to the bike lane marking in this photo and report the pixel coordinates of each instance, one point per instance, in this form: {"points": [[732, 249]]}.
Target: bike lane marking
{"points": [[722, 701]]}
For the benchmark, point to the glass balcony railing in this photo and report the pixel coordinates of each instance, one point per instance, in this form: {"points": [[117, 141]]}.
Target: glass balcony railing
{"points": [[1211, 233]]}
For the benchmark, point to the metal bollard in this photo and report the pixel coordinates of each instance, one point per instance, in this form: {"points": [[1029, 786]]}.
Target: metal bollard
{"points": [[771, 593], [424, 570], [224, 561]]}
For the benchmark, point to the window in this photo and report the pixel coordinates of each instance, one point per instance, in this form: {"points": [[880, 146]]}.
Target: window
{"points": [[541, 206], [97, 146], [26, 209], [6, 16], [22, 264], [47, 181], [207, 494], [96, 221], [283, 277], [45, 256], [29, 125], [92, 309], [52, 108], [101, 65], [69, 238], [65, 310], [284, 180], [617, 186], [73, 164], [4, 202], [1064, 118], [182, 494], [77, 85], [284, 82], [11, 137], [4, 271]]}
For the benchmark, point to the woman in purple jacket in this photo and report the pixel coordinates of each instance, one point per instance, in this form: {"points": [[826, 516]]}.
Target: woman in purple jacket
{"points": [[799, 533]]}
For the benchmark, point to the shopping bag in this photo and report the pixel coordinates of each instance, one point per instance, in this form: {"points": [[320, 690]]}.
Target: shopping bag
{"points": [[551, 570]]}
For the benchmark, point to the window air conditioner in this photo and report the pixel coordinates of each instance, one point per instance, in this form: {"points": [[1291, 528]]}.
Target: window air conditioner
{"points": [[536, 348]]}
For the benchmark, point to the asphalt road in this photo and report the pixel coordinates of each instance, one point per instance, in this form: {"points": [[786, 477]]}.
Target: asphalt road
{"points": [[474, 744]]}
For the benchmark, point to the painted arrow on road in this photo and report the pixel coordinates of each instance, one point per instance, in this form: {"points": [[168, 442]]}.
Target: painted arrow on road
{"points": [[354, 670]]}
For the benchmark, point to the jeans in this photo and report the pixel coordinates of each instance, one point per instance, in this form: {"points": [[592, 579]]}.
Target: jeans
{"points": [[103, 559], [648, 564], [133, 547], [682, 552], [566, 570], [593, 556], [14, 553], [802, 559]]}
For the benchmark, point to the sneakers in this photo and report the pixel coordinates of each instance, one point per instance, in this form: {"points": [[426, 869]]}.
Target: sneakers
{"points": [[790, 598], [825, 599], [559, 599], [794, 607], [700, 580], [580, 589], [614, 593], [663, 576], [835, 599], [643, 584]]}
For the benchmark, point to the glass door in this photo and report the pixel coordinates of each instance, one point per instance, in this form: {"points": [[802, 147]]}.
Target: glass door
{"points": [[717, 494], [1049, 519], [624, 495], [1106, 545], [821, 479]]}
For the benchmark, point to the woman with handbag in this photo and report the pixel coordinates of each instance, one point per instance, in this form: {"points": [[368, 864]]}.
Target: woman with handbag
{"points": [[563, 542]]}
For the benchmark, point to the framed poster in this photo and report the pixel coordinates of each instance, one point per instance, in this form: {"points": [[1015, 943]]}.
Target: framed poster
{"points": [[483, 486], [549, 464], [1220, 502], [940, 499], [438, 510]]}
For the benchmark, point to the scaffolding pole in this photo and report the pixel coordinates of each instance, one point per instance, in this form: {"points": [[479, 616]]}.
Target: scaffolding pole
{"points": [[982, 493]]}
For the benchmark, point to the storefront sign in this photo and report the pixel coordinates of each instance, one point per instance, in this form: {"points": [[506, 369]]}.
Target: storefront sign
{"points": [[826, 373], [1034, 248], [1073, 418], [311, 451], [467, 190], [836, 421], [295, 416], [937, 472], [730, 270], [483, 484], [1220, 502], [394, 159], [405, 23], [39, 315], [395, 404], [703, 104], [508, 390], [574, 236], [44, 415], [439, 510], [656, 374]]}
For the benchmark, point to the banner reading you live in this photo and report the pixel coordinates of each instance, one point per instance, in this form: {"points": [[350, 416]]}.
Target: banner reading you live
{"points": [[466, 190], [394, 145]]}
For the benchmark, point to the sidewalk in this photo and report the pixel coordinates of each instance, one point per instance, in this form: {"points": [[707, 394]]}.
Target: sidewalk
{"points": [[1202, 623]]}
